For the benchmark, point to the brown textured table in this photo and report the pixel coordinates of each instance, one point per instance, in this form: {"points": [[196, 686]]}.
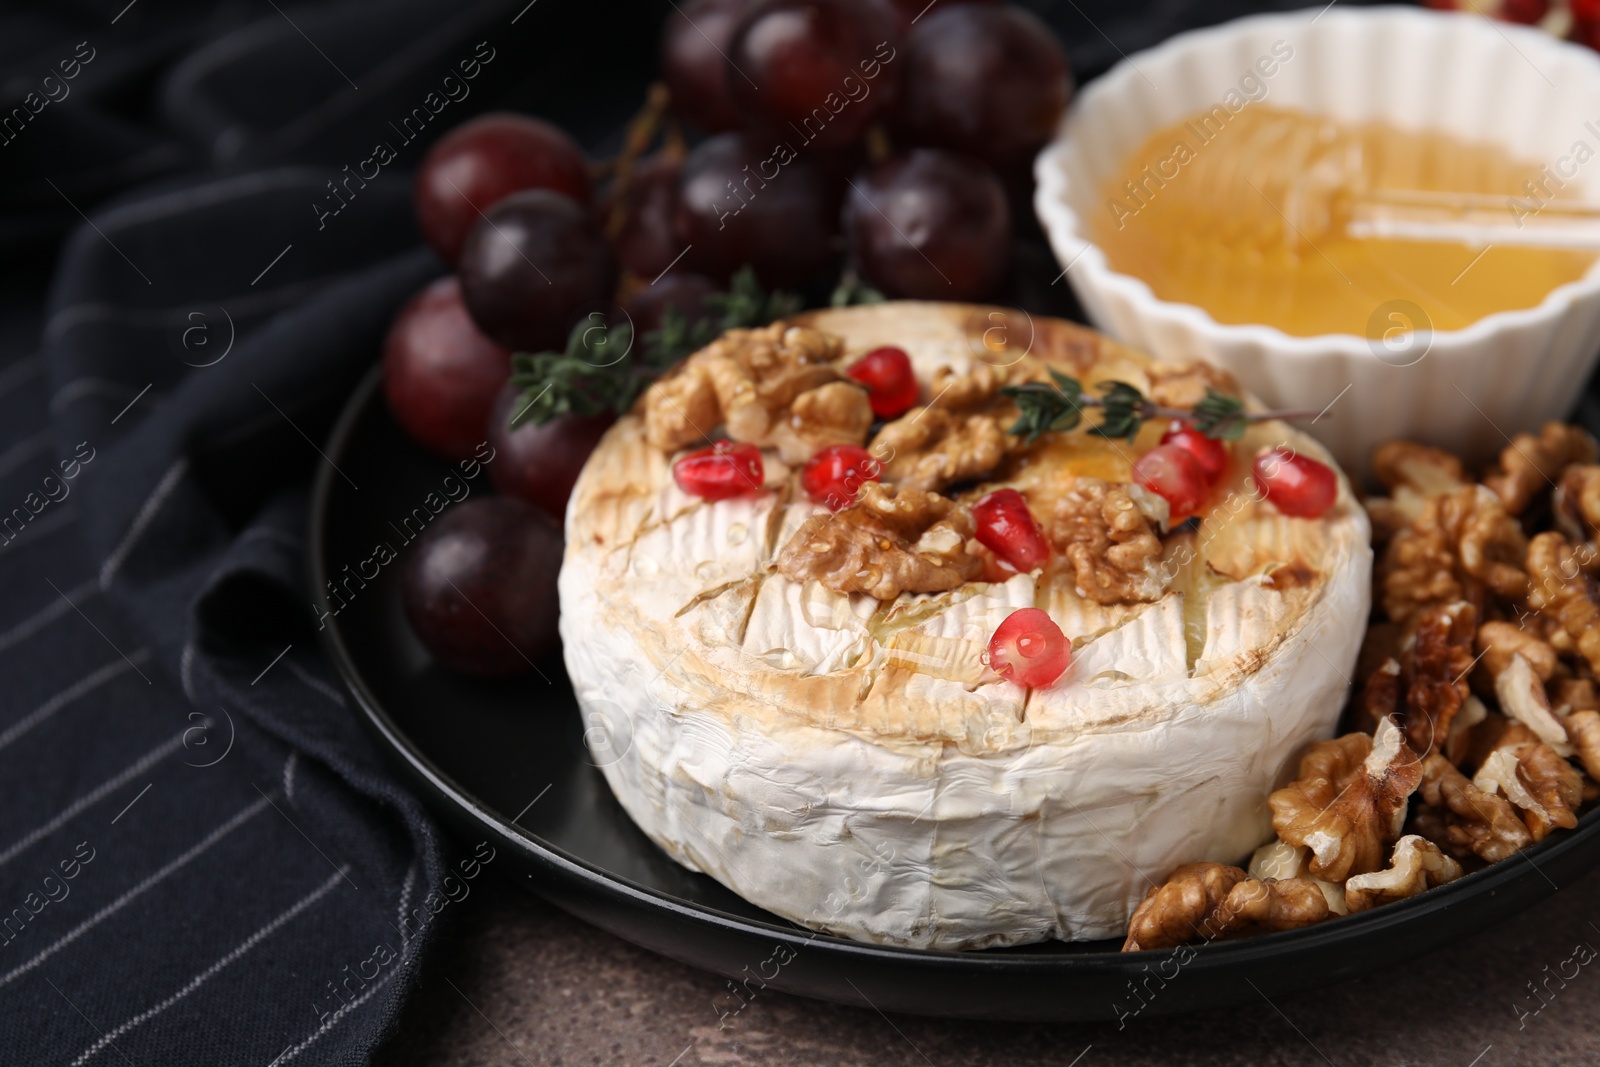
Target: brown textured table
{"points": [[516, 981]]}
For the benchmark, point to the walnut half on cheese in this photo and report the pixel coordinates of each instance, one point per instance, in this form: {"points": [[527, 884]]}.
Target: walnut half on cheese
{"points": [[851, 763]]}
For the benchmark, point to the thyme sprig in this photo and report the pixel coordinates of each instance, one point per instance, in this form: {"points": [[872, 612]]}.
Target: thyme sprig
{"points": [[1059, 404], [852, 290], [603, 370]]}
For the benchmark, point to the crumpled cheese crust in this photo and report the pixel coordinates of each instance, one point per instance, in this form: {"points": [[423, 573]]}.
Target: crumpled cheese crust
{"points": [[853, 767]]}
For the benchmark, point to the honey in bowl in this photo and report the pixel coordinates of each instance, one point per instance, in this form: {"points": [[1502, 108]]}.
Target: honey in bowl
{"points": [[1249, 216]]}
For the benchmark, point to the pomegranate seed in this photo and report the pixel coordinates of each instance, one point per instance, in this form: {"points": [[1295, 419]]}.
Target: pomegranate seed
{"points": [[1296, 485], [1007, 528], [1212, 453], [1029, 648], [835, 475], [724, 470], [995, 569], [1526, 12], [891, 384], [1173, 473], [1585, 10]]}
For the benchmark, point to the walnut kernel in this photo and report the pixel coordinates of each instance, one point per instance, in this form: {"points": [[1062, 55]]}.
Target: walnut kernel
{"points": [[1522, 698], [1560, 589], [888, 542], [1463, 818], [1417, 865], [1584, 729], [1425, 470], [932, 448], [1543, 785], [744, 380], [1110, 542], [1279, 860], [1206, 901], [1576, 504], [1183, 385], [1436, 673], [1349, 801], [1499, 641], [1461, 546], [1529, 465], [837, 413]]}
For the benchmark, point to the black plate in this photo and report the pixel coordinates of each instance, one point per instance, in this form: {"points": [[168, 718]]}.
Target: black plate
{"points": [[506, 762]]}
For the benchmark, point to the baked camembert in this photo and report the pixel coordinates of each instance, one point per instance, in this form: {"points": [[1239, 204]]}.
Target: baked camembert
{"points": [[789, 673]]}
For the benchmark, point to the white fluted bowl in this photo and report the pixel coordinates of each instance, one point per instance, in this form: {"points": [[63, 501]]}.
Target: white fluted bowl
{"points": [[1465, 390]]}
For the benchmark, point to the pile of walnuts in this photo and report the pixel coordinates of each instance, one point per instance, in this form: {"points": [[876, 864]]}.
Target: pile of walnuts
{"points": [[1476, 726]]}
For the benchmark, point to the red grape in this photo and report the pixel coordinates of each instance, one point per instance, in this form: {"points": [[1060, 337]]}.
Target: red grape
{"points": [[769, 208], [721, 471], [479, 587], [835, 475], [1525, 11], [480, 163], [530, 264], [990, 81], [680, 289], [1211, 453], [890, 381], [694, 61], [1029, 648], [1296, 485], [817, 70], [540, 462], [1174, 474], [648, 243], [1586, 32], [440, 374], [911, 11], [930, 226], [897, 14], [1006, 527]]}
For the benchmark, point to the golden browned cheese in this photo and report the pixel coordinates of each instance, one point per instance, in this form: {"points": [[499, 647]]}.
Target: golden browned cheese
{"points": [[706, 621]]}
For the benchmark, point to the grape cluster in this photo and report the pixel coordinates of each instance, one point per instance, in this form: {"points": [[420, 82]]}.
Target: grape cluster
{"points": [[802, 140], [914, 118]]}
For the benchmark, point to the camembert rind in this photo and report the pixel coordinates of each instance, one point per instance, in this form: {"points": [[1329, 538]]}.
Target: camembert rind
{"points": [[852, 767]]}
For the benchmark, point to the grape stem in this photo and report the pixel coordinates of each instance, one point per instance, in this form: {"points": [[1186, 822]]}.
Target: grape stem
{"points": [[879, 148], [641, 135]]}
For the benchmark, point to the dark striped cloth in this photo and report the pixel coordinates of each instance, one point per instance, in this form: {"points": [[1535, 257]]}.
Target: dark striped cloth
{"points": [[201, 860]]}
